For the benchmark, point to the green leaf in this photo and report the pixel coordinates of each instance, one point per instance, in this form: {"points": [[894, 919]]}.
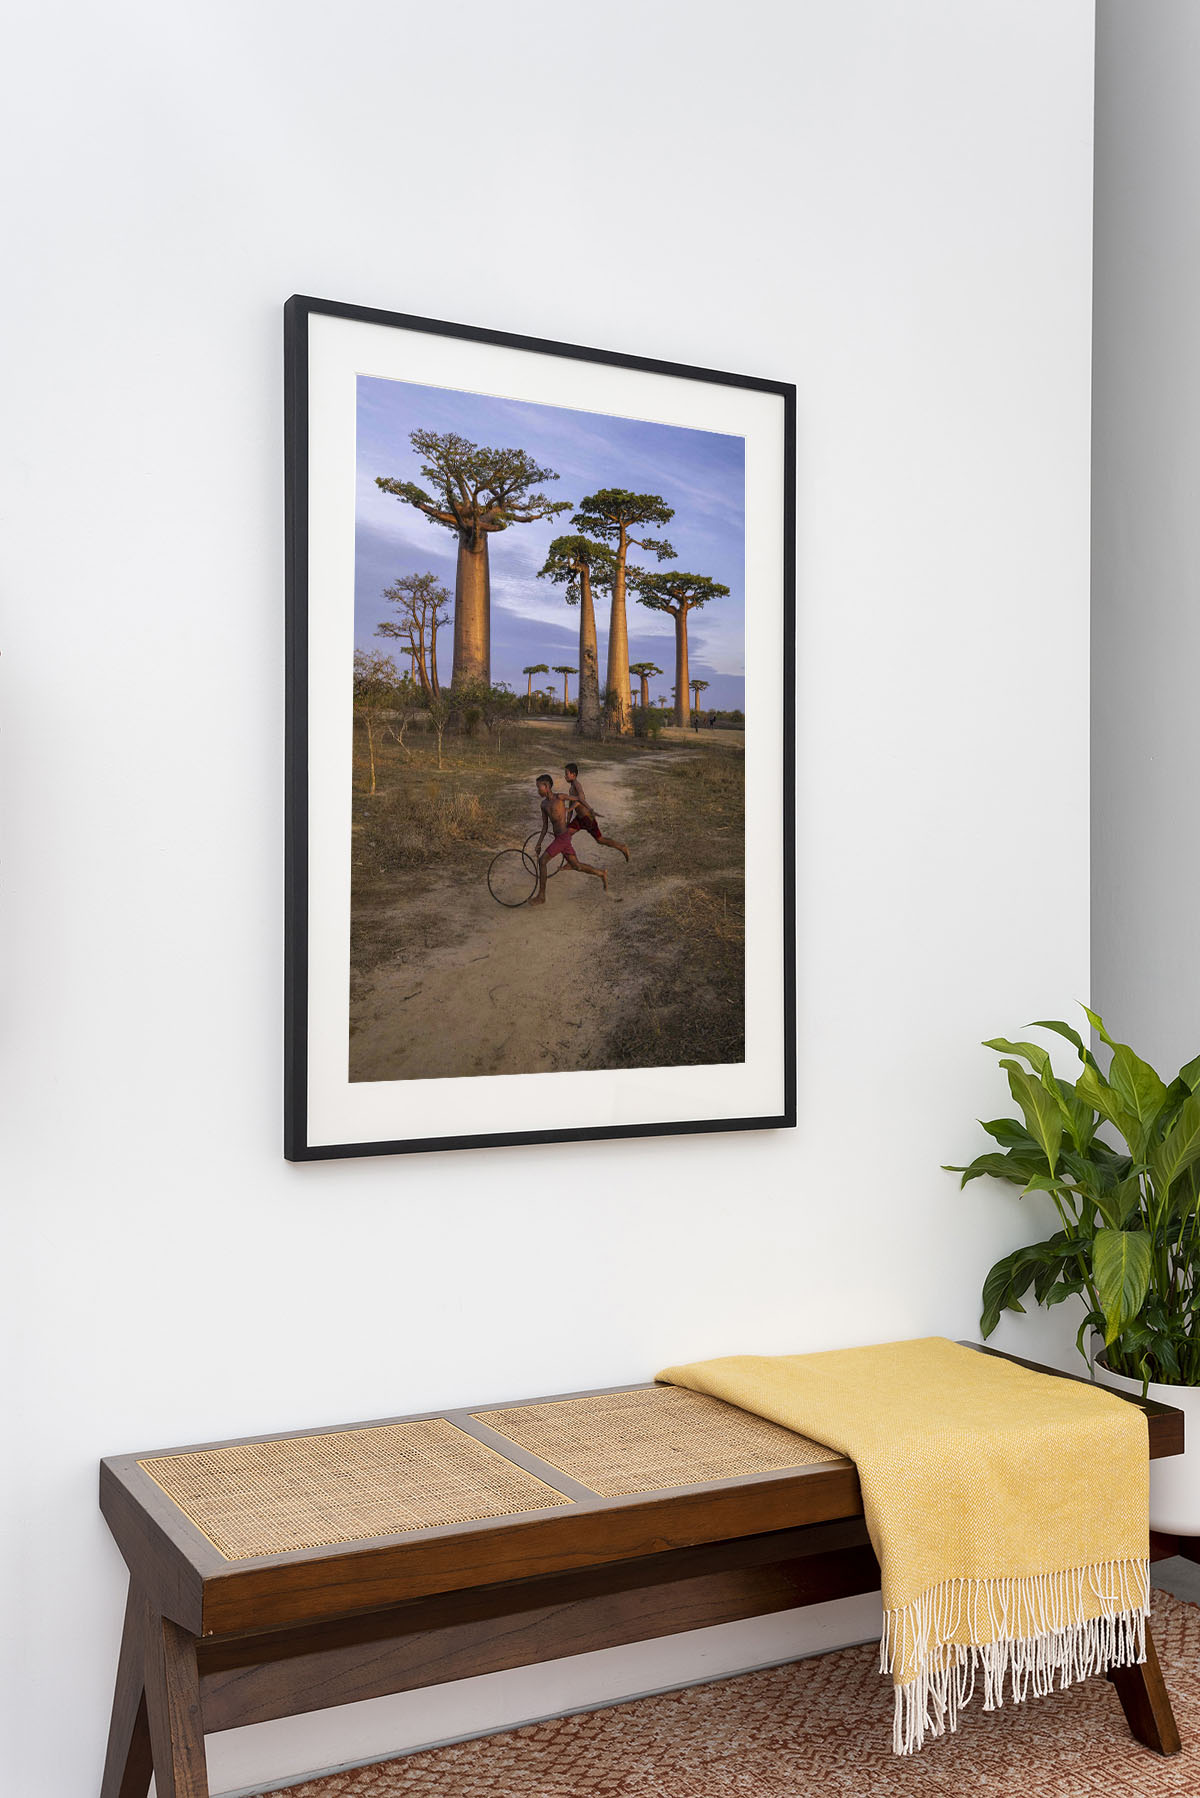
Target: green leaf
{"points": [[1097, 1024], [1190, 1075], [1086, 1173], [1078, 1115], [1039, 1108], [1096, 1092], [1089, 1323], [1072, 1036], [1001, 1167], [1179, 1148], [1118, 1203], [997, 1297], [1117, 1162], [1044, 1183], [1008, 1280], [1121, 1263], [1137, 1086], [1062, 1289], [1165, 1358], [1009, 1134], [1035, 1056], [1049, 1270]]}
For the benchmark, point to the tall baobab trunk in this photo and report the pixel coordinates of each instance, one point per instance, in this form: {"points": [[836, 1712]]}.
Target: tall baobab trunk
{"points": [[473, 612], [422, 665], [588, 722], [645, 680], [682, 696], [618, 644], [566, 694], [433, 673]]}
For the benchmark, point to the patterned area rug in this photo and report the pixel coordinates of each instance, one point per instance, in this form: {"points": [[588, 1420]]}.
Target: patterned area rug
{"points": [[820, 1727]]}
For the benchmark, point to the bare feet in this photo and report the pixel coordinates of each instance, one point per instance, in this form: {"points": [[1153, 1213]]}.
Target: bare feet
{"points": [[604, 878], [623, 850], [538, 899]]}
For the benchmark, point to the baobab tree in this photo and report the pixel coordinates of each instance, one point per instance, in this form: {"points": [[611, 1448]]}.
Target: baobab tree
{"points": [[579, 563], [533, 668], [643, 671], [697, 687], [611, 516], [566, 672], [477, 491], [422, 602], [678, 594]]}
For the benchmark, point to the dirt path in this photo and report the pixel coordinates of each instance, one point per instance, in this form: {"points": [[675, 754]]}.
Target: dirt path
{"points": [[531, 990]]}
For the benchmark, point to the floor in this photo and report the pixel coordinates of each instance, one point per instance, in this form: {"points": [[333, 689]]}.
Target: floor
{"points": [[1178, 1576], [821, 1728]]}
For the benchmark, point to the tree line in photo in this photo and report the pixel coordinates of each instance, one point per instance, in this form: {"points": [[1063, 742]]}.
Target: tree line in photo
{"points": [[479, 491]]}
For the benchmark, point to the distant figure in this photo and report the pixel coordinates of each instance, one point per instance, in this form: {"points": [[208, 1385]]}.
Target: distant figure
{"points": [[712, 721], [695, 721], [585, 817], [556, 819]]}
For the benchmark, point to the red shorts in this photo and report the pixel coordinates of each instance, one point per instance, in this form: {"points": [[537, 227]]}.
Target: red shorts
{"points": [[562, 844], [590, 825]]}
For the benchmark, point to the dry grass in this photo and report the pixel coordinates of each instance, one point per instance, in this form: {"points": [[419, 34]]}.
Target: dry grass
{"points": [[690, 946], [691, 1008], [693, 819], [699, 913], [420, 826]]}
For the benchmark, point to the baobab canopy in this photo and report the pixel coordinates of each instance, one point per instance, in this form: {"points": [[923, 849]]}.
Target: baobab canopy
{"points": [[670, 590], [477, 491], [569, 557], [579, 562]]}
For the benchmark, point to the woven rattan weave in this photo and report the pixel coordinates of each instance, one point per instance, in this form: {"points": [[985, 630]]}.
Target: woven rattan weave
{"points": [[268, 1498], [654, 1438]]}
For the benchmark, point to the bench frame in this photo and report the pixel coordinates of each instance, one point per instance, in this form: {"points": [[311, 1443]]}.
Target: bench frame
{"points": [[212, 1644]]}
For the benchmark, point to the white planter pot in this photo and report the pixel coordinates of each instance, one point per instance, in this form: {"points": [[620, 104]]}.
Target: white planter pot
{"points": [[1175, 1479]]}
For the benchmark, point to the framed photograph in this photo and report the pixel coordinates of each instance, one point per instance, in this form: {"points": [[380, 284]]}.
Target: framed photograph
{"points": [[530, 900]]}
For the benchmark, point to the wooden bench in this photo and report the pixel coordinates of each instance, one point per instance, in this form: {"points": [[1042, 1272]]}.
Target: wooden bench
{"points": [[285, 1574]]}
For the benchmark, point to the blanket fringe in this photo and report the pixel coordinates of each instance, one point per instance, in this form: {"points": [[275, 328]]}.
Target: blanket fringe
{"points": [[1031, 1631]]}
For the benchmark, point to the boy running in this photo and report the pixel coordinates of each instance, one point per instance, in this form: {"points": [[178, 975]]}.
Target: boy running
{"points": [[556, 819], [585, 817]]}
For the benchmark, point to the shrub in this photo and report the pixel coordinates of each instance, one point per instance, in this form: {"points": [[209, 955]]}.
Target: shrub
{"points": [[647, 723]]}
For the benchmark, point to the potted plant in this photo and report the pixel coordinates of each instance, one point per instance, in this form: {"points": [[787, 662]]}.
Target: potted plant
{"points": [[1118, 1153]]}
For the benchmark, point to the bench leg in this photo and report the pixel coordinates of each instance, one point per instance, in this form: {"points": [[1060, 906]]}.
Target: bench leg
{"points": [[127, 1764], [173, 1709], [1144, 1700]]}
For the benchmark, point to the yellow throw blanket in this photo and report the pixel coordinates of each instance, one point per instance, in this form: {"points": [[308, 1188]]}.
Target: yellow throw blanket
{"points": [[1008, 1510]]}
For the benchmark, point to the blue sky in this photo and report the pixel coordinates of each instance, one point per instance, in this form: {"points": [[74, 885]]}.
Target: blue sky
{"points": [[700, 473]]}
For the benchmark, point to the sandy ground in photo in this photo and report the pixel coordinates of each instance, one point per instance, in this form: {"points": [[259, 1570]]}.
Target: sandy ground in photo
{"points": [[531, 990]]}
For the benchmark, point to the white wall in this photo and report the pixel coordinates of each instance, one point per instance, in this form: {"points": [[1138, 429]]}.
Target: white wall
{"points": [[889, 205], [1146, 526]]}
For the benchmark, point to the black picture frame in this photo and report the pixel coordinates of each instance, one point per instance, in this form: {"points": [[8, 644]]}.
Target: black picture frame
{"points": [[299, 311]]}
